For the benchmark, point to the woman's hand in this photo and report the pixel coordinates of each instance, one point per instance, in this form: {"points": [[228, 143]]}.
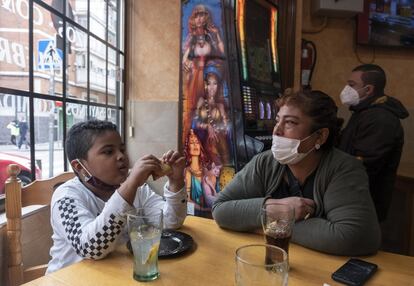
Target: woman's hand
{"points": [[304, 208], [187, 66], [176, 175], [212, 29]]}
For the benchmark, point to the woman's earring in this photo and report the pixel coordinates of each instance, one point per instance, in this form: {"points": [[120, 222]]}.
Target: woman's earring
{"points": [[317, 146]]}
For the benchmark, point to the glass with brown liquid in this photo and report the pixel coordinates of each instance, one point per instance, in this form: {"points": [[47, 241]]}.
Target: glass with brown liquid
{"points": [[277, 222]]}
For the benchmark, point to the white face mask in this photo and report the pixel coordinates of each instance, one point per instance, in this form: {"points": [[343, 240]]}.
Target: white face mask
{"points": [[349, 96], [285, 150]]}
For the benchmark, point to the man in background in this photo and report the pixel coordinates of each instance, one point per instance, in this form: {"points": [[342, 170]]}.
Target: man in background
{"points": [[374, 133], [14, 131], [23, 128]]}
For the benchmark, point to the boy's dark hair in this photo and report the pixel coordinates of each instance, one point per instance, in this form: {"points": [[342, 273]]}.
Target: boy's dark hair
{"points": [[373, 74], [81, 137]]}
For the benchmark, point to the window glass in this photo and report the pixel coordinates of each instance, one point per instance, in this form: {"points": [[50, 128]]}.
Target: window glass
{"points": [[97, 71], [14, 118], [120, 79], [77, 64], [15, 137], [121, 23], [48, 50], [14, 44], [48, 128], [97, 112], [113, 116], [79, 10], [75, 113], [112, 76], [97, 18], [112, 22], [89, 86], [58, 5]]}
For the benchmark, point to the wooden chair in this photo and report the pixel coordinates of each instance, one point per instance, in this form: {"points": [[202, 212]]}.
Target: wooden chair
{"points": [[39, 192]]}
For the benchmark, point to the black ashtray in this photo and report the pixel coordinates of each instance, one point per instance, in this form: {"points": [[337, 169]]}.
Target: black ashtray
{"points": [[173, 243]]}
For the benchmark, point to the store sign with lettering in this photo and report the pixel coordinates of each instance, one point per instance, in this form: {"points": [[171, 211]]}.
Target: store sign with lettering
{"points": [[21, 8]]}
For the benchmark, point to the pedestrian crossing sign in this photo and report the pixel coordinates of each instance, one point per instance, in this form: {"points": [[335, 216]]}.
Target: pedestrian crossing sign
{"points": [[49, 57]]}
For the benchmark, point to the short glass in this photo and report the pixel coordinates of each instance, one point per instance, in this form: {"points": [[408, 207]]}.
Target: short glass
{"points": [[277, 222], [261, 264], [144, 229]]}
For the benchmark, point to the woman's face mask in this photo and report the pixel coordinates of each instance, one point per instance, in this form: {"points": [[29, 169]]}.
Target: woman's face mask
{"points": [[285, 150], [350, 96], [95, 182]]}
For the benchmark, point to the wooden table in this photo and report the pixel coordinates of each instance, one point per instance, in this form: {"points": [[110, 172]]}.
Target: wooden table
{"points": [[212, 263]]}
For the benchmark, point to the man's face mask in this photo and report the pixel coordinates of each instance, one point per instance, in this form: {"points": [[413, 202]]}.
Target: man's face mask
{"points": [[350, 96], [95, 182]]}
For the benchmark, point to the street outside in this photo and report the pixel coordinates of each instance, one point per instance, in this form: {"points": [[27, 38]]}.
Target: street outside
{"points": [[42, 154]]}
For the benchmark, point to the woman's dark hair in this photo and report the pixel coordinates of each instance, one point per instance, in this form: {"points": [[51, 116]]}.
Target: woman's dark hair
{"points": [[82, 135], [203, 158], [320, 107], [373, 74]]}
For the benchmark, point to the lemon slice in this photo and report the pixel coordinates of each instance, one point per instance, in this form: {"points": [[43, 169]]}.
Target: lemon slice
{"points": [[153, 253]]}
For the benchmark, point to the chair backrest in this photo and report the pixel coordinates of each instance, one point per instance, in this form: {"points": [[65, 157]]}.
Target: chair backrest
{"points": [[39, 192]]}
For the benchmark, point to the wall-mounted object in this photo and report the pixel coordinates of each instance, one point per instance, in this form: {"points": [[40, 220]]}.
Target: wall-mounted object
{"points": [[337, 8], [386, 23]]}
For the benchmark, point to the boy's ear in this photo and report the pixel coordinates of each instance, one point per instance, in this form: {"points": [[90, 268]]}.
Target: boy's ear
{"points": [[76, 166]]}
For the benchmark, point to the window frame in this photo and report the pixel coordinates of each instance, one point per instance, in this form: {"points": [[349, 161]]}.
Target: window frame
{"points": [[118, 105]]}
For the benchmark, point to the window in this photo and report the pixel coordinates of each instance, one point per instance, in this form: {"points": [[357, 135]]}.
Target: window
{"points": [[60, 63]]}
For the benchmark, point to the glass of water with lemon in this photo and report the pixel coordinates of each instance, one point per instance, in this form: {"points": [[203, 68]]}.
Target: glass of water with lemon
{"points": [[145, 228]]}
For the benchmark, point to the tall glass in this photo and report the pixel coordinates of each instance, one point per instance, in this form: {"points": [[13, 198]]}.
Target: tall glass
{"points": [[277, 222], [145, 228], [252, 269]]}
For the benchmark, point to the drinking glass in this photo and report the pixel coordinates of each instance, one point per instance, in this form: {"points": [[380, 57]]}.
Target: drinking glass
{"points": [[144, 229], [261, 264], [277, 222]]}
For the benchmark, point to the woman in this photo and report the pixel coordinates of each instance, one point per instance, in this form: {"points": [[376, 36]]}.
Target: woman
{"points": [[194, 173], [211, 121], [327, 188]]}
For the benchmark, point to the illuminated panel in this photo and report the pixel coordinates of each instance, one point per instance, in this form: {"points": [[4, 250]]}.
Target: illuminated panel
{"points": [[273, 31], [240, 16]]}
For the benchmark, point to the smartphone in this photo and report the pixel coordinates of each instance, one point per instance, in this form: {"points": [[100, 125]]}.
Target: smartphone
{"points": [[354, 272]]}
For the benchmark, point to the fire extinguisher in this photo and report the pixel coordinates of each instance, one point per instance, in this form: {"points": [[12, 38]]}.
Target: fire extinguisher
{"points": [[308, 61]]}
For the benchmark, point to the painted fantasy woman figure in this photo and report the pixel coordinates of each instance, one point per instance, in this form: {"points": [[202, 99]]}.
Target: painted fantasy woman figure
{"points": [[211, 122], [195, 171]]}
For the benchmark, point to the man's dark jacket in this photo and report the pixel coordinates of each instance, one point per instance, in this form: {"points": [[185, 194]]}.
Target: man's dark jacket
{"points": [[374, 134]]}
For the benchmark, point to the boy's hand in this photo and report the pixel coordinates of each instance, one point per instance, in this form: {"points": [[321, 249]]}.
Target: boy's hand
{"points": [[143, 168], [176, 174]]}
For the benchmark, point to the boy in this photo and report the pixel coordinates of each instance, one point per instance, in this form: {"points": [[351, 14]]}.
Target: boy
{"points": [[88, 212]]}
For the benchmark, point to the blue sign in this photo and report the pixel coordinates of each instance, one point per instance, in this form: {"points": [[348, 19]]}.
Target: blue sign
{"points": [[50, 57]]}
